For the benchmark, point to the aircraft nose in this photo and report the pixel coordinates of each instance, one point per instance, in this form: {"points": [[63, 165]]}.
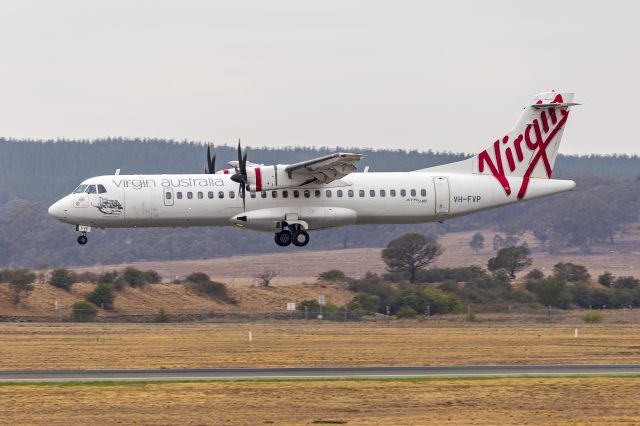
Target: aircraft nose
{"points": [[57, 210]]}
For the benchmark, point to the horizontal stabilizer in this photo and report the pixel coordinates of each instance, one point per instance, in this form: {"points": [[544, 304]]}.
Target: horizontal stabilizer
{"points": [[555, 105]]}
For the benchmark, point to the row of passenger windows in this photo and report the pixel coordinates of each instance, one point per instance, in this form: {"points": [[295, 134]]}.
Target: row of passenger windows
{"points": [[307, 193], [90, 189]]}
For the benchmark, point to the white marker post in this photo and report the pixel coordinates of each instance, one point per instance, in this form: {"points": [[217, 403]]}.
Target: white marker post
{"points": [[250, 336], [575, 332]]}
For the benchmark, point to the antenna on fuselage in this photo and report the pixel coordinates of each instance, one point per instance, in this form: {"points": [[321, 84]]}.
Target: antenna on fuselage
{"points": [[117, 172]]}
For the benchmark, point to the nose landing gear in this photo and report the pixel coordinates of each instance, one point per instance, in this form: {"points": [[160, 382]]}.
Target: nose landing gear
{"points": [[293, 233], [82, 239]]}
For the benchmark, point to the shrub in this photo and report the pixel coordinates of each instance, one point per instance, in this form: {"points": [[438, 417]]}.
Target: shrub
{"points": [[83, 312], [592, 317], [606, 279], [202, 284], [626, 282], [406, 312], [332, 275], [310, 305], [461, 274], [571, 272], [134, 277], [373, 284], [103, 295], [20, 282], [152, 277], [161, 316], [470, 316], [534, 274], [62, 278], [87, 277], [552, 291], [367, 302]]}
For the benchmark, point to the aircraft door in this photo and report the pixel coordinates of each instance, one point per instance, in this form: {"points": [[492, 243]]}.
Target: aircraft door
{"points": [[167, 195], [441, 185]]}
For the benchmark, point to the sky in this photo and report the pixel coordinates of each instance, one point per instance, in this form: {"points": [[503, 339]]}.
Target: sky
{"points": [[447, 75]]}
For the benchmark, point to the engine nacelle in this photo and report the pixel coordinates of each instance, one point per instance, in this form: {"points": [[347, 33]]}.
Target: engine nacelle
{"points": [[264, 178], [312, 217]]}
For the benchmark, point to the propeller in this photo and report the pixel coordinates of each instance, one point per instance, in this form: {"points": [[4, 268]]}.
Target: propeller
{"points": [[210, 166], [241, 176]]}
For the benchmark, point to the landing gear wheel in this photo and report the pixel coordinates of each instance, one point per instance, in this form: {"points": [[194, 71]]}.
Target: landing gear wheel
{"points": [[82, 240], [283, 238], [300, 238]]}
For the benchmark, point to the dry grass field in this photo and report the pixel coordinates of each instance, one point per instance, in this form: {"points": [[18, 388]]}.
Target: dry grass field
{"points": [[289, 344], [517, 401], [623, 258]]}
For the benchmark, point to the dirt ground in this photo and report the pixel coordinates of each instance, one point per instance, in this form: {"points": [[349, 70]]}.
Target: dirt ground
{"points": [[623, 258], [308, 344], [519, 401]]}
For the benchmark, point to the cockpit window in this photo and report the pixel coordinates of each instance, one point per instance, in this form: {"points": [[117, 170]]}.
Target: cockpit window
{"points": [[101, 189], [80, 188], [91, 189]]}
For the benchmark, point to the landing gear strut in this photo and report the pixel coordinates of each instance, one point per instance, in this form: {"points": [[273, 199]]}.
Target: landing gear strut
{"points": [[82, 239], [294, 233]]}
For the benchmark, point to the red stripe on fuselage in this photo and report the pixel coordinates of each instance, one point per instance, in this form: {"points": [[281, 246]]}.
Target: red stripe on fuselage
{"points": [[258, 179]]}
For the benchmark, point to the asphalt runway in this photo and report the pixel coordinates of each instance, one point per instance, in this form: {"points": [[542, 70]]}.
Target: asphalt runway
{"points": [[318, 373]]}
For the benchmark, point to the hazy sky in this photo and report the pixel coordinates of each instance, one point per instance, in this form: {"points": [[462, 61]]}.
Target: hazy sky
{"points": [[446, 75]]}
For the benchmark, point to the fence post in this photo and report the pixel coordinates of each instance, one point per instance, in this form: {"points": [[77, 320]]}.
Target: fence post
{"points": [[306, 312], [346, 313]]}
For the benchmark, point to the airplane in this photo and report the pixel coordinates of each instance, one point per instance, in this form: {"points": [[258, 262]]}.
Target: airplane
{"points": [[290, 200]]}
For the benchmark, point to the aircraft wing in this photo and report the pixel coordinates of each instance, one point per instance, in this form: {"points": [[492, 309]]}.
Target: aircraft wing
{"points": [[325, 169]]}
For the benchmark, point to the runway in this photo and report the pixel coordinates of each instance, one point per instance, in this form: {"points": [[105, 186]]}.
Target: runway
{"points": [[317, 373]]}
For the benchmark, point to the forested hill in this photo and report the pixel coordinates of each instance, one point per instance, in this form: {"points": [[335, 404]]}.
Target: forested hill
{"points": [[35, 173], [45, 170]]}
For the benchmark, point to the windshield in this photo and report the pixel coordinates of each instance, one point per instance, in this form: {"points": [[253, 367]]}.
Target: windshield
{"points": [[80, 188]]}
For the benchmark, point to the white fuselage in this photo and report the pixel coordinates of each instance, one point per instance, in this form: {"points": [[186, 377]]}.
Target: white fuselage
{"points": [[360, 198]]}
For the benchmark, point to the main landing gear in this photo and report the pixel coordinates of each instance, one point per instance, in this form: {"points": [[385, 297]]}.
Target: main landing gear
{"points": [[292, 234]]}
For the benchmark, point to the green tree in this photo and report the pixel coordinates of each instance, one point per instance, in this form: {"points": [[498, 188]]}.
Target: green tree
{"points": [[83, 312], [134, 277], [103, 295], [62, 278], [152, 277], [20, 282], [410, 252], [477, 242], [406, 312], [332, 275], [606, 279], [571, 272], [626, 282], [552, 291], [511, 260]]}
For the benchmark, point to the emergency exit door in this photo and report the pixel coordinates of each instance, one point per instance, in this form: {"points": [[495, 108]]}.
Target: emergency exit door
{"points": [[441, 185], [168, 196]]}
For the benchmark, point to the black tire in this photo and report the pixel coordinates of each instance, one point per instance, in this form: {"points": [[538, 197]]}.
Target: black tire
{"points": [[82, 240], [283, 238], [300, 238]]}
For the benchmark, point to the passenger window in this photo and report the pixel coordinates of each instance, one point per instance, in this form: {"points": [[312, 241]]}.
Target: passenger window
{"points": [[189, 195], [317, 193], [328, 193], [179, 195], [340, 193], [413, 192], [307, 193], [403, 193], [101, 189], [361, 192], [210, 194], [285, 194], [252, 194], [200, 195], [372, 193], [221, 194], [274, 194], [296, 194], [263, 194], [392, 192], [80, 189], [350, 193], [232, 194], [91, 189], [423, 192], [167, 195], [382, 193]]}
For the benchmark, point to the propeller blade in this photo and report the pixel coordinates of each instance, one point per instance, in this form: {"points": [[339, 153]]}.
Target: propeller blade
{"points": [[210, 167]]}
